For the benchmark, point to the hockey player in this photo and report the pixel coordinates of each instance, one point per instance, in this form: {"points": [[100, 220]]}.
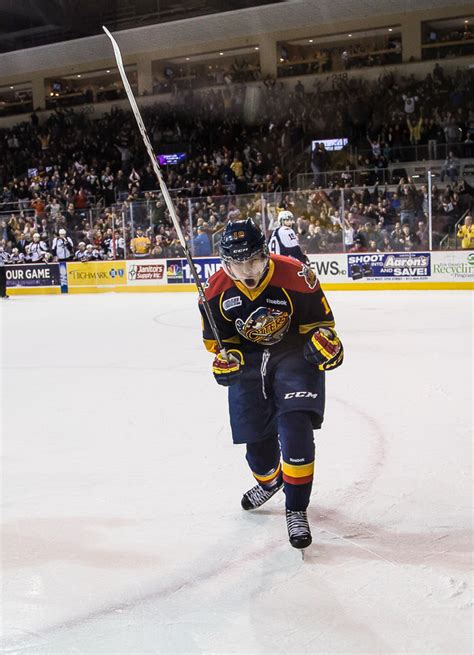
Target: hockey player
{"points": [[37, 250], [63, 247], [284, 240], [80, 254], [17, 257], [275, 321], [107, 244], [92, 254]]}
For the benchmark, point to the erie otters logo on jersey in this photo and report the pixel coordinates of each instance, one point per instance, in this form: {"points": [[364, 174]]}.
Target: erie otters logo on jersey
{"points": [[309, 276], [265, 326]]}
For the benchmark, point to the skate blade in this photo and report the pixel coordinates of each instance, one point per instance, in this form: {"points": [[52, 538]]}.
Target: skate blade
{"points": [[302, 552], [305, 554]]}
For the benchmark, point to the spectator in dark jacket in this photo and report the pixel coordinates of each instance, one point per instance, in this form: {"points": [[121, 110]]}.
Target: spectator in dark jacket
{"points": [[408, 201]]}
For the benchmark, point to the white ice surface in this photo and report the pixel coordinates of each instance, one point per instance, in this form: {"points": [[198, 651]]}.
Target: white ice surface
{"points": [[122, 527]]}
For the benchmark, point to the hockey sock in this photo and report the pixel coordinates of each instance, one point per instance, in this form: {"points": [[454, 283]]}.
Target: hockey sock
{"points": [[297, 446], [263, 457]]}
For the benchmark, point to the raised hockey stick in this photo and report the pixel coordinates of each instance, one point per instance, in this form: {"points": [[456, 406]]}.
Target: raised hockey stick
{"points": [[164, 190]]}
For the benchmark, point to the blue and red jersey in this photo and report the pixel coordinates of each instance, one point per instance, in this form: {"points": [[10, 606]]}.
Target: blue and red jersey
{"points": [[281, 312]]}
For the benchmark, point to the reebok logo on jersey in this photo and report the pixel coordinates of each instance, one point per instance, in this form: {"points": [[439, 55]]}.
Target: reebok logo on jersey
{"points": [[300, 394], [275, 301], [232, 302], [297, 461]]}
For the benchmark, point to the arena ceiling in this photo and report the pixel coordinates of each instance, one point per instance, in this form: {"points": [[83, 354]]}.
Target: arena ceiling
{"points": [[28, 23]]}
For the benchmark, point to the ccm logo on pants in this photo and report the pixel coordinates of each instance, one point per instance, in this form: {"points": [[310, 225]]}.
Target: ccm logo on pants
{"points": [[300, 394]]}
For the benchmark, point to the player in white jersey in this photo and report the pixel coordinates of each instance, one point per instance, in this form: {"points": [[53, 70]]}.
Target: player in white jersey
{"points": [[284, 240], [92, 254], [63, 247], [17, 257], [81, 254], [37, 250]]}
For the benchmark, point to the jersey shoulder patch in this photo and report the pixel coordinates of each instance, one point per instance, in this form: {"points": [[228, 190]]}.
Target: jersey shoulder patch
{"points": [[293, 275], [217, 284]]}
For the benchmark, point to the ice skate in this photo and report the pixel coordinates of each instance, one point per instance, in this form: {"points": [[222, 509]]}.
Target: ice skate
{"points": [[299, 532], [258, 495]]}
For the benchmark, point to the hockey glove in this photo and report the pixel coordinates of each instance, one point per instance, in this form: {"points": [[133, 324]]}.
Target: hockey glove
{"points": [[324, 349], [227, 371]]}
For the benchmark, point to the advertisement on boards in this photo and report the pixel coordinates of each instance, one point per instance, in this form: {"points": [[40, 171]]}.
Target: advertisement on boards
{"points": [[32, 275], [329, 268], [178, 270], [453, 266], [149, 272], [96, 274], [388, 266]]}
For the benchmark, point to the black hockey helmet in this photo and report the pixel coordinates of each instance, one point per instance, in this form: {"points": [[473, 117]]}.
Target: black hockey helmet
{"points": [[241, 241], [244, 252]]}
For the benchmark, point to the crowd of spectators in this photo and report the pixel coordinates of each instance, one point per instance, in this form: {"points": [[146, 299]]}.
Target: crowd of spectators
{"points": [[293, 60], [385, 118], [297, 60], [75, 235], [214, 127], [378, 219], [176, 78], [72, 96], [172, 79], [446, 35], [91, 178], [70, 151]]}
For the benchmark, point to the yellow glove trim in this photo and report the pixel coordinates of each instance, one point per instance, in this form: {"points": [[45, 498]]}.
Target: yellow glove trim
{"points": [[237, 354], [320, 348], [327, 366]]}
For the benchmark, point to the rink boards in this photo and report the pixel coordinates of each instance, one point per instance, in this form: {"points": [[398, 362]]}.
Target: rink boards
{"points": [[344, 271]]}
